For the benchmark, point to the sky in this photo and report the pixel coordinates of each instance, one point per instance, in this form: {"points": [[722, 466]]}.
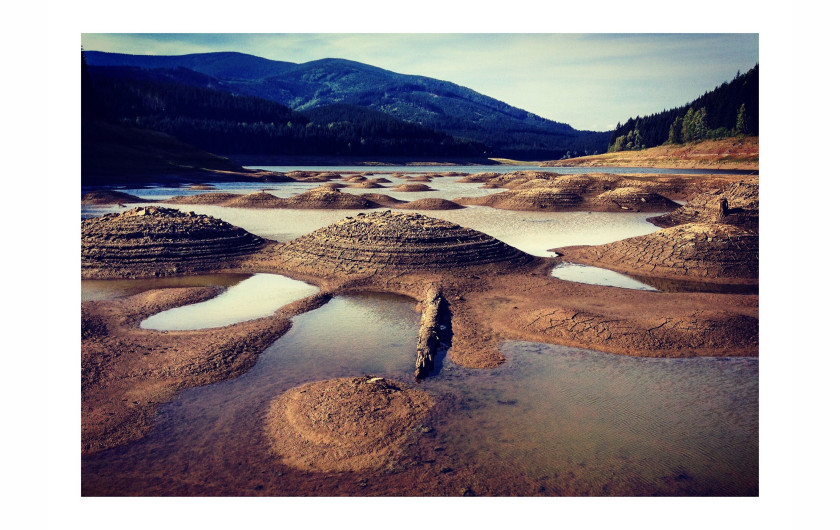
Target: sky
{"points": [[591, 81]]}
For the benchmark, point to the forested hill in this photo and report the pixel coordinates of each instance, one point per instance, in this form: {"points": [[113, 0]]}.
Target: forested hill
{"points": [[731, 109], [188, 106], [465, 115]]}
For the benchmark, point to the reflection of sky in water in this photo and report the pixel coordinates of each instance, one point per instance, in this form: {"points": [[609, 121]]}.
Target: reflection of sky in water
{"points": [[574, 272], [258, 296]]}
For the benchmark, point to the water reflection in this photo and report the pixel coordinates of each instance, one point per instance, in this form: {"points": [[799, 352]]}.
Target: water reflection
{"points": [[574, 272], [258, 296]]}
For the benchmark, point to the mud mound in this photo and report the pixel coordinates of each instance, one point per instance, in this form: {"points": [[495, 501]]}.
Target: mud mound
{"points": [[152, 241], [202, 187], [366, 184], [382, 199], [325, 199], [715, 253], [354, 179], [380, 180], [389, 241], [260, 199], [419, 178], [312, 176], [412, 187], [110, 197], [202, 198], [478, 177], [345, 424], [332, 185], [736, 204], [545, 199], [430, 204], [638, 199]]}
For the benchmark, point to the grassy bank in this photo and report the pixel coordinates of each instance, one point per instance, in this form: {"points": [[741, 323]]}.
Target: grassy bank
{"points": [[729, 153]]}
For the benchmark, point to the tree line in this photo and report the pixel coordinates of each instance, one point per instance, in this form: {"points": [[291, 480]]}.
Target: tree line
{"points": [[729, 110]]}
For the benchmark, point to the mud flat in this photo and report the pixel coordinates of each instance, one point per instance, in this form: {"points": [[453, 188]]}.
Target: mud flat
{"points": [[493, 292], [127, 372], [346, 424]]}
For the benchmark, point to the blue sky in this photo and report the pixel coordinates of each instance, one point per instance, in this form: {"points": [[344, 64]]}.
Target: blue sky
{"points": [[590, 81]]}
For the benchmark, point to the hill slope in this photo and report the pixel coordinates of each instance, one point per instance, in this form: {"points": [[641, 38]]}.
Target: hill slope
{"points": [[440, 105]]}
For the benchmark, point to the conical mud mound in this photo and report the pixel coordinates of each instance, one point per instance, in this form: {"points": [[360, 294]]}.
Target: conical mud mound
{"points": [[382, 241], [545, 199], [111, 197], [151, 241], [640, 200], [326, 199], [432, 203], [698, 252], [345, 424]]}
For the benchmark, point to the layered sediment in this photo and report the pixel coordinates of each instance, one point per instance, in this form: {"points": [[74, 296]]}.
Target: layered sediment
{"points": [[736, 204], [636, 199], [111, 197], [386, 241], [347, 424], [716, 253], [152, 241]]}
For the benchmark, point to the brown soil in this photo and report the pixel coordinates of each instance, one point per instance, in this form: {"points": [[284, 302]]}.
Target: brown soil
{"points": [[346, 424], [152, 241], [366, 184], [735, 204], [128, 371], [728, 153], [494, 292], [111, 197], [430, 204], [412, 187], [715, 253]]}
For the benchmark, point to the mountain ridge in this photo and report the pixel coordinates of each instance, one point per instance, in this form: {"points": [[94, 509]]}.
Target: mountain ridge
{"points": [[442, 105]]}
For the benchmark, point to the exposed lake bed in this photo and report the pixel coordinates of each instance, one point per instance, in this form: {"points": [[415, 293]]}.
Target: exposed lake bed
{"points": [[549, 419]]}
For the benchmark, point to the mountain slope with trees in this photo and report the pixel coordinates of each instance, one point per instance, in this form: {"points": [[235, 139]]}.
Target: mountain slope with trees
{"points": [[465, 115], [731, 109]]}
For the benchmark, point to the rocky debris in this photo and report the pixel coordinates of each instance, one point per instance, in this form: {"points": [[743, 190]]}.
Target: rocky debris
{"points": [[716, 253], [153, 241], [347, 424], [736, 204], [431, 323], [636, 199], [380, 241], [430, 204], [412, 187], [111, 197]]}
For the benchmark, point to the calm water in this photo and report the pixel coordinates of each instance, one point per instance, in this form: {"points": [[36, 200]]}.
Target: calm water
{"points": [[574, 272], [258, 296], [576, 421], [531, 232]]}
